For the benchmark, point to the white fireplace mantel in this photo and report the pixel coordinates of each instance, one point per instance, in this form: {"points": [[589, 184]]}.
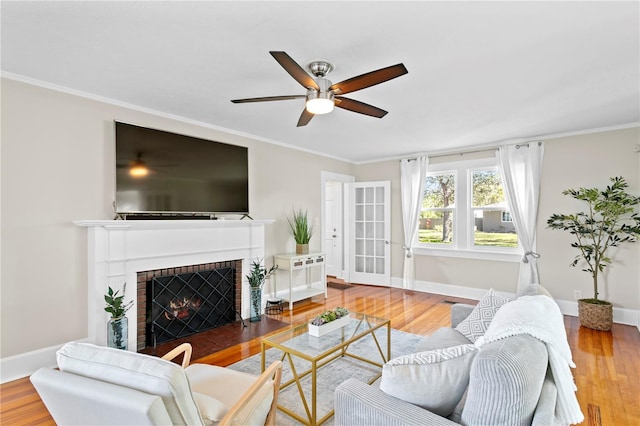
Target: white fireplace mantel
{"points": [[118, 250]]}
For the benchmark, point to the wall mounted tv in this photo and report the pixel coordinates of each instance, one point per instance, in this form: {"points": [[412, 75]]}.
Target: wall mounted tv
{"points": [[167, 174]]}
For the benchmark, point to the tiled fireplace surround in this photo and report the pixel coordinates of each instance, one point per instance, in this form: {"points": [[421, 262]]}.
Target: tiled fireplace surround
{"points": [[119, 250]]}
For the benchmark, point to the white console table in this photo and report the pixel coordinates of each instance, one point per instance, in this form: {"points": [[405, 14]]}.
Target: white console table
{"points": [[308, 268]]}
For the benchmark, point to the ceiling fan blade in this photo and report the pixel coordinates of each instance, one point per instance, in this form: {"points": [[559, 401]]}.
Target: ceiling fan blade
{"points": [[295, 70], [359, 107], [369, 79], [305, 118], [267, 98]]}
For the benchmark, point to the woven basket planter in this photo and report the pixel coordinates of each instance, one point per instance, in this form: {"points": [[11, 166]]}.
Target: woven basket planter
{"points": [[595, 316]]}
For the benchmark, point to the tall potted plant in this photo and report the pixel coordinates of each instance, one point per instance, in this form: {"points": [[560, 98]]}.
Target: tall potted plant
{"points": [[259, 274], [610, 220], [117, 327], [301, 230]]}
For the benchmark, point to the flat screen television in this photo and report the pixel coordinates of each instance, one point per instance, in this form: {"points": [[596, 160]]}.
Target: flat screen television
{"points": [[159, 173]]}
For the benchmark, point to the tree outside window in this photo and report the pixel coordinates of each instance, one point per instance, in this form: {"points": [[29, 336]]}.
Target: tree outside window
{"points": [[437, 209]]}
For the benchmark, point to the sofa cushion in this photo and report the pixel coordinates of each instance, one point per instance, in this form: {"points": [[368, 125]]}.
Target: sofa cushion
{"points": [[444, 337], [145, 373], [206, 379], [210, 408], [434, 380], [505, 382], [475, 325]]}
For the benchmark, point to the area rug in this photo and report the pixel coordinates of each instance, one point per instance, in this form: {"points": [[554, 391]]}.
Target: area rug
{"points": [[330, 375]]}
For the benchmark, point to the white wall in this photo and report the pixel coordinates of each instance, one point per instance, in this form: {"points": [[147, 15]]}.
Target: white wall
{"points": [[58, 166], [586, 160]]}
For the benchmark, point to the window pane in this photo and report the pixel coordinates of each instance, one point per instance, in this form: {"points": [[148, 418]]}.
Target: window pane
{"points": [[436, 227], [490, 230], [487, 189], [490, 227], [439, 191]]}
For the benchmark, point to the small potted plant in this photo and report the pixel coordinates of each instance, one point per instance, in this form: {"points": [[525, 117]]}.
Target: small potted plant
{"points": [[329, 321], [259, 274], [301, 230], [117, 327], [609, 221]]}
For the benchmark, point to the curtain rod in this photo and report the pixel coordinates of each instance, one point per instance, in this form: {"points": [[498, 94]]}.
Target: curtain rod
{"points": [[487, 149]]}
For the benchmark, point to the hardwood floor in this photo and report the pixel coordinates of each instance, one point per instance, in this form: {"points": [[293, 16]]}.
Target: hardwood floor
{"points": [[607, 363]]}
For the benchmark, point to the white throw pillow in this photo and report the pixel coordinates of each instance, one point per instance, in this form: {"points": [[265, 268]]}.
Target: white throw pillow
{"points": [[435, 380], [475, 325], [210, 408]]}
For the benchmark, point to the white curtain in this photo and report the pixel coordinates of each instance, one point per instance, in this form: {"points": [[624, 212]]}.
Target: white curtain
{"points": [[521, 168], [412, 180]]}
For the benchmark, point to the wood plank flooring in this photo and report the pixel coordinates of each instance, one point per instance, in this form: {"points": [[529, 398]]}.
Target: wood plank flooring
{"points": [[607, 373]]}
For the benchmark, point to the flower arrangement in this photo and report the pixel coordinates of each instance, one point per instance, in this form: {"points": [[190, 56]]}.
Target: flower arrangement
{"points": [[259, 274], [328, 316], [115, 303]]}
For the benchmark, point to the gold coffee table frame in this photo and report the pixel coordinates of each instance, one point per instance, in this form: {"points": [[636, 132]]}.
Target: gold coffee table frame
{"points": [[360, 326]]}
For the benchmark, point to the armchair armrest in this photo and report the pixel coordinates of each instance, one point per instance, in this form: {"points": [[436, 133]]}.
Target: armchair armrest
{"points": [[358, 404], [186, 348], [460, 311]]}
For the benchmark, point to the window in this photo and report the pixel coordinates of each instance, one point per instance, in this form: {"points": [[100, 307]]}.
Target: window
{"points": [[465, 213]]}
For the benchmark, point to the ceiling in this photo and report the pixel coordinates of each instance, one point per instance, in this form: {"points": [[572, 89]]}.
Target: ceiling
{"points": [[480, 73]]}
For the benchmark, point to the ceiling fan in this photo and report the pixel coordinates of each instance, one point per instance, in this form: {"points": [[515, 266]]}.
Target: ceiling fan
{"points": [[322, 95]]}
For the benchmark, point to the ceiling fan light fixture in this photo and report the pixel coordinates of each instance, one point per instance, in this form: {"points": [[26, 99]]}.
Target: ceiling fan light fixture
{"points": [[138, 169], [319, 102]]}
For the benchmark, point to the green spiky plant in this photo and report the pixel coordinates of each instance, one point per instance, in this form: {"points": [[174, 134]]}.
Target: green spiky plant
{"points": [[609, 221], [300, 227]]}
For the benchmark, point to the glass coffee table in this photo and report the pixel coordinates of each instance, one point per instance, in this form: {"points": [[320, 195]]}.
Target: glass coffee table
{"points": [[319, 351]]}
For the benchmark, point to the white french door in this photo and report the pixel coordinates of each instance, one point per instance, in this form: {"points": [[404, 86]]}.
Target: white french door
{"points": [[370, 233]]}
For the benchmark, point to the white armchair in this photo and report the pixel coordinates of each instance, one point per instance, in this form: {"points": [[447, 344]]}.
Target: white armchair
{"points": [[103, 386]]}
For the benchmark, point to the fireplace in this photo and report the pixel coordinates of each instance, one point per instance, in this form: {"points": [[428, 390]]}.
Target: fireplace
{"points": [[182, 301], [117, 250]]}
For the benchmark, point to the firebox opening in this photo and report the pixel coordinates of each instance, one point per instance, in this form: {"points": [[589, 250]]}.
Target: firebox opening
{"points": [[188, 300]]}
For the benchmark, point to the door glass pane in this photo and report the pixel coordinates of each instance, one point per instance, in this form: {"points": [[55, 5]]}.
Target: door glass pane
{"points": [[380, 265], [359, 229], [359, 195], [380, 212], [369, 266], [369, 196], [360, 212], [379, 194], [359, 264], [368, 212], [369, 230], [380, 230], [379, 248], [359, 247], [369, 248]]}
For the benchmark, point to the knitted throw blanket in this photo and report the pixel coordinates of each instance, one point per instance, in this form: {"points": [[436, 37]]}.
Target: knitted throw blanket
{"points": [[540, 317]]}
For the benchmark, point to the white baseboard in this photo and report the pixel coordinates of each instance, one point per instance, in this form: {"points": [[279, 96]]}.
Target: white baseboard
{"points": [[23, 365], [567, 307]]}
